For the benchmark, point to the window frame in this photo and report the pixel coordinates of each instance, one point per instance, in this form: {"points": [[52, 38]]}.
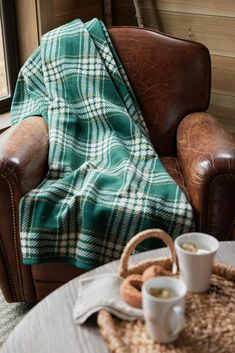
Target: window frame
{"points": [[10, 46]]}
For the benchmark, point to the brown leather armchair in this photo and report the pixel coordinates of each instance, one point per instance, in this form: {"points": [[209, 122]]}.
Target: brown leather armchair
{"points": [[171, 80]]}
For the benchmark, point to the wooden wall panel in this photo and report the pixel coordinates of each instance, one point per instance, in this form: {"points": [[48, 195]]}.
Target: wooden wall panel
{"points": [[36, 17], [65, 11], [27, 26], [213, 31], [65, 7], [45, 16], [124, 14], [223, 78], [202, 7], [223, 106], [209, 22]]}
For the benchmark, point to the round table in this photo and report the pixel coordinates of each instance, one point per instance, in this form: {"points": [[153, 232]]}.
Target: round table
{"points": [[49, 326]]}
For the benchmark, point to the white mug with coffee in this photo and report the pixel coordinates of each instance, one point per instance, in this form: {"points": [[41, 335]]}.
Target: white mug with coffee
{"points": [[195, 252], [164, 304]]}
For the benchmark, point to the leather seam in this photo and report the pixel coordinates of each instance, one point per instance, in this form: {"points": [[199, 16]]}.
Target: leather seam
{"points": [[5, 261], [14, 234], [212, 188]]}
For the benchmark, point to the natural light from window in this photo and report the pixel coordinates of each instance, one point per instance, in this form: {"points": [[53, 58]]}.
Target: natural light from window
{"points": [[3, 77]]}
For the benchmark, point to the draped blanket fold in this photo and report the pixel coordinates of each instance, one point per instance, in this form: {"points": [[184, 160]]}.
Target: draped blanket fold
{"points": [[105, 182]]}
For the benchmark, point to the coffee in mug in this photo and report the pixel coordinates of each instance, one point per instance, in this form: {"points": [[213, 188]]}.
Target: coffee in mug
{"points": [[195, 252], [195, 248], [163, 293], [164, 304]]}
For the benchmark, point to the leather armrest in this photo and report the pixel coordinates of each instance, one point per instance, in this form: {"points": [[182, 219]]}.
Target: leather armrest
{"points": [[206, 154], [23, 164], [24, 152]]}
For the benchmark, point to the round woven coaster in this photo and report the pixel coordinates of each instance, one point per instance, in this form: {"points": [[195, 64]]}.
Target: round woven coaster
{"points": [[210, 318]]}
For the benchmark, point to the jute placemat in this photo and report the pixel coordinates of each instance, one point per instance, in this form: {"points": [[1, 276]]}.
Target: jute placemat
{"points": [[210, 316]]}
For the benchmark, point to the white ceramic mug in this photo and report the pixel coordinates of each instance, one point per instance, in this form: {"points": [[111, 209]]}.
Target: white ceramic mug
{"points": [[164, 317], [196, 268]]}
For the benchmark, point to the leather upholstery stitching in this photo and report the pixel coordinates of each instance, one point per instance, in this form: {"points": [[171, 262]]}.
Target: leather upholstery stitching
{"points": [[211, 192], [14, 234], [7, 267]]}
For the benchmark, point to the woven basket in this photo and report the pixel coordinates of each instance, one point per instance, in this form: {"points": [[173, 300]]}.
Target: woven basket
{"points": [[210, 316]]}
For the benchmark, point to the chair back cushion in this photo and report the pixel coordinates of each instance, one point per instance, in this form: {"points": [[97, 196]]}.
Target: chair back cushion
{"points": [[170, 78]]}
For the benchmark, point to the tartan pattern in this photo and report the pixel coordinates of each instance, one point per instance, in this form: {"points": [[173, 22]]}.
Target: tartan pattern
{"points": [[105, 182]]}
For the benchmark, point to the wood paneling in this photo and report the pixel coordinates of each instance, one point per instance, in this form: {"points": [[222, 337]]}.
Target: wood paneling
{"points": [[65, 7], [65, 11], [27, 25], [223, 107], [36, 17], [202, 7], [124, 14], [45, 16], [213, 31], [223, 78], [211, 22]]}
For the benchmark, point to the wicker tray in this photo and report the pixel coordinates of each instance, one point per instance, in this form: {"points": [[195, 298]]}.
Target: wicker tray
{"points": [[210, 317]]}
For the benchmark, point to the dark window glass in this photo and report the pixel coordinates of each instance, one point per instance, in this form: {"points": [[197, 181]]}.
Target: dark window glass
{"points": [[9, 63]]}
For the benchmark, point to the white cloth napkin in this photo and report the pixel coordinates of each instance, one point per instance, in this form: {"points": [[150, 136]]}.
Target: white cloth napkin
{"points": [[102, 292]]}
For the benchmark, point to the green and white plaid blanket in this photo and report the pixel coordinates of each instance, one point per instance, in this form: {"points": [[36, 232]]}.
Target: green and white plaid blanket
{"points": [[105, 182]]}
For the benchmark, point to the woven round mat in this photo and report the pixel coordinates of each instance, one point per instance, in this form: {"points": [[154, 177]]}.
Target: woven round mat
{"points": [[210, 317]]}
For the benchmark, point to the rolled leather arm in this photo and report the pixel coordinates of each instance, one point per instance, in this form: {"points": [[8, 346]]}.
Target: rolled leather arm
{"points": [[206, 154], [24, 152], [23, 164]]}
